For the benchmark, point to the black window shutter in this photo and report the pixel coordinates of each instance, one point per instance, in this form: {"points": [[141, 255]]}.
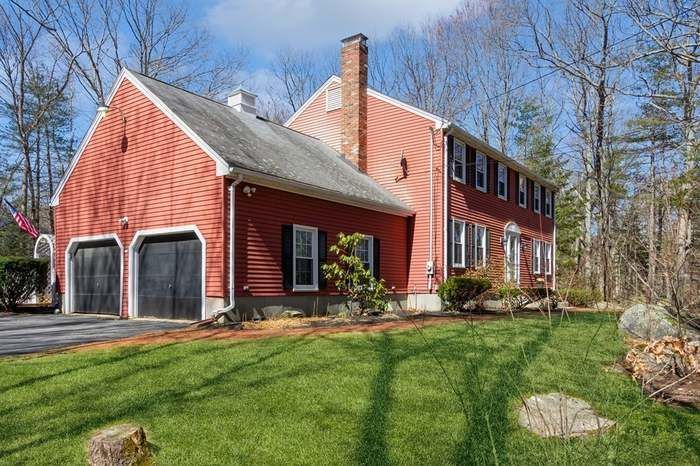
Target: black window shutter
{"points": [[287, 257], [321, 259], [552, 205], [376, 258], [471, 166], [542, 200], [494, 170], [531, 194], [450, 155], [450, 235]]}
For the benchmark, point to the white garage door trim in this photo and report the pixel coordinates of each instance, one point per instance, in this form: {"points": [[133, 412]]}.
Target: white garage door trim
{"points": [[70, 252], [136, 242]]}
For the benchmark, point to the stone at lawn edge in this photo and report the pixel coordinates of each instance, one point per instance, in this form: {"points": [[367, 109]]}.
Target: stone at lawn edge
{"points": [[652, 322], [557, 415], [120, 445]]}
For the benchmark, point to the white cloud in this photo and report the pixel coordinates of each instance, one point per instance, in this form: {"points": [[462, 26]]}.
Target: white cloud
{"points": [[266, 25]]}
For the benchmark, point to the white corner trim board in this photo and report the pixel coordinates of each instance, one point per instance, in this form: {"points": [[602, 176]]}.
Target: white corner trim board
{"points": [[136, 242], [70, 251]]}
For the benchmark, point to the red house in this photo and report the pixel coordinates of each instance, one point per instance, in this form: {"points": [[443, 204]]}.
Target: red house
{"points": [[177, 206]]}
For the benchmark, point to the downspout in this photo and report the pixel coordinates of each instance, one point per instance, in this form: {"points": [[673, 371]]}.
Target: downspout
{"points": [[430, 267], [231, 248], [554, 253], [445, 207]]}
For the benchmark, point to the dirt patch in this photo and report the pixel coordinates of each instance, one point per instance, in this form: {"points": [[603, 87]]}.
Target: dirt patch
{"points": [[224, 333]]}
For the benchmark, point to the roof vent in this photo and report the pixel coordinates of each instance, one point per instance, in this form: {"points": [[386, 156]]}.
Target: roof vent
{"points": [[242, 101]]}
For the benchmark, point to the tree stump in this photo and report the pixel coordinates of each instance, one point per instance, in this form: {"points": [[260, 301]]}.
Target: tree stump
{"points": [[121, 445]]}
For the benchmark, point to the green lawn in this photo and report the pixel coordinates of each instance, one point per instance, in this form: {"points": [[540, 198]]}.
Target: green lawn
{"points": [[356, 398]]}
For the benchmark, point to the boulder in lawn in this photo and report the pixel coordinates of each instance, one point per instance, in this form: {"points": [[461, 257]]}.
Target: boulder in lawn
{"points": [[120, 445], [653, 322], [557, 415]]}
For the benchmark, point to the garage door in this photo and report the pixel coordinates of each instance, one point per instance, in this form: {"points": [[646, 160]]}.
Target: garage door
{"points": [[170, 277], [96, 277]]}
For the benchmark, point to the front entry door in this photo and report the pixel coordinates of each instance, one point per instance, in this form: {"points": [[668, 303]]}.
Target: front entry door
{"points": [[170, 277]]}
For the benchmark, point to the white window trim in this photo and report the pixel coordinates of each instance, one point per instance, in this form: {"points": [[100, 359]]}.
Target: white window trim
{"points": [[340, 99], [536, 256], [459, 265], [455, 143], [476, 227], [522, 188], [537, 199], [314, 257], [502, 169], [484, 168], [370, 251], [548, 258], [548, 203]]}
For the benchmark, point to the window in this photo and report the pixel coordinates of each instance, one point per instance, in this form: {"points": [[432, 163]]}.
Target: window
{"points": [[502, 181], [364, 251], [458, 229], [522, 191], [333, 99], [305, 258], [548, 203], [480, 172], [536, 199], [548, 258], [480, 245], [458, 151], [536, 256]]}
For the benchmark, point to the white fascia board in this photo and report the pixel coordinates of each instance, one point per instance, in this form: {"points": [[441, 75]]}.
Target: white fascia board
{"points": [[314, 96], [222, 167]]}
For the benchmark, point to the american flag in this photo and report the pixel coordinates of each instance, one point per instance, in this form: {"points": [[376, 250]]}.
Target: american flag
{"points": [[22, 221]]}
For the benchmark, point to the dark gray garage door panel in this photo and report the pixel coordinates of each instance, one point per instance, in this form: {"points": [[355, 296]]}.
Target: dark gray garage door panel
{"points": [[97, 278], [170, 277]]}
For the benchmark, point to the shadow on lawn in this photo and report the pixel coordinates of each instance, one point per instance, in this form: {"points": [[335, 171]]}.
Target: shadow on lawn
{"points": [[490, 382]]}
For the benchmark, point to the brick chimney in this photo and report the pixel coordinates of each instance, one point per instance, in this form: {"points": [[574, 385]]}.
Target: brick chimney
{"points": [[353, 63]]}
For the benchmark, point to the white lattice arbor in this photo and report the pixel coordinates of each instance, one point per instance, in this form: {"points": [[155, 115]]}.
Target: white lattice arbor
{"points": [[44, 248]]}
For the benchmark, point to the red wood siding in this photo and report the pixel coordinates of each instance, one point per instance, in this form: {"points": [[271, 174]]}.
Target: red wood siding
{"points": [[162, 180], [391, 130], [472, 206], [259, 221]]}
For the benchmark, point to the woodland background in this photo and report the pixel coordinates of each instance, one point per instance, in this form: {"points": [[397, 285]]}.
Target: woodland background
{"points": [[600, 96]]}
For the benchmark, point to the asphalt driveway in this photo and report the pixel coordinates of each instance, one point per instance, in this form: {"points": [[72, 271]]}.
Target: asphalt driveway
{"points": [[23, 334]]}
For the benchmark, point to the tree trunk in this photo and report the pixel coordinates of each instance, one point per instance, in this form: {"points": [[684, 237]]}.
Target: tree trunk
{"points": [[651, 231]]}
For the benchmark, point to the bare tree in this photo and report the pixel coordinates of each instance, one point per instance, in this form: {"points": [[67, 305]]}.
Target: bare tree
{"points": [[298, 74]]}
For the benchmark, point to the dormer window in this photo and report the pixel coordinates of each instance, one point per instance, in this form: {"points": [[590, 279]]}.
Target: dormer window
{"points": [[522, 191], [480, 167]]}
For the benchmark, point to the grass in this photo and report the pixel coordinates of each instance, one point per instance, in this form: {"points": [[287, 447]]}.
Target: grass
{"points": [[376, 398]]}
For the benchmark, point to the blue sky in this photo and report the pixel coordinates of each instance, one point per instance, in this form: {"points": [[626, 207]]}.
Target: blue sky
{"points": [[264, 26]]}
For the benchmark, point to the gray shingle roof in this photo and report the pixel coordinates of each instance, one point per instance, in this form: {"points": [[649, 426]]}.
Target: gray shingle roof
{"points": [[258, 145]]}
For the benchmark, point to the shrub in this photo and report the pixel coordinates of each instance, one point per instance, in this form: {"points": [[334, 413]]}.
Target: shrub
{"points": [[456, 292], [580, 297], [352, 278], [20, 277], [509, 292]]}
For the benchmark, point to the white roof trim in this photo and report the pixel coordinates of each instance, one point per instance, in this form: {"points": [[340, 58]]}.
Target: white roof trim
{"points": [[222, 167], [439, 122], [322, 88]]}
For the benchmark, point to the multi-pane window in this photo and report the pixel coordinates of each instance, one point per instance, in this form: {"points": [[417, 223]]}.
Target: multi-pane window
{"points": [[305, 258], [536, 256], [548, 203], [364, 251], [502, 181], [548, 258], [522, 191], [458, 170], [458, 230], [536, 199], [480, 167], [479, 246]]}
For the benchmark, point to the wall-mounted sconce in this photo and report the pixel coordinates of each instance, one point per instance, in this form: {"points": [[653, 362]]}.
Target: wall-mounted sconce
{"points": [[103, 109], [248, 190], [124, 222]]}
